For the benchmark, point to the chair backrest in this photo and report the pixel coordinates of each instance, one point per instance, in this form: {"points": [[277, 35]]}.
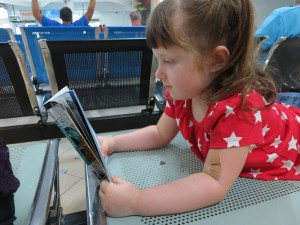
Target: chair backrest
{"points": [[19, 39], [101, 35], [283, 62], [31, 35], [17, 95], [6, 34], [104, 73], [259, 53], [120, 32]]}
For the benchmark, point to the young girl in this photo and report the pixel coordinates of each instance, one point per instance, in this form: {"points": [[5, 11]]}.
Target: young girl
{"points": [[223, 106]]}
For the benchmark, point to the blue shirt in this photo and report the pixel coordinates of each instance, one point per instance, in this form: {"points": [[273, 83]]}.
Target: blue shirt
{"points": [[48, 22], [282, 22]]}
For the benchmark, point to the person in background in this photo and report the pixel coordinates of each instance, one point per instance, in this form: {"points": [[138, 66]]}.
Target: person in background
{"points": [[282, 22], [135, 18], [65, 16], [8, 186], [220, 101]]}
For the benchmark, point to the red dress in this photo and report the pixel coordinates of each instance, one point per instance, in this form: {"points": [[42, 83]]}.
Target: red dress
{"points": [[273, 134]]}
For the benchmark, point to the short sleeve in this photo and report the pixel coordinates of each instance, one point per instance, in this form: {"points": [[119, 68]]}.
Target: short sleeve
{"points": [[235, 127], [81, 22]]}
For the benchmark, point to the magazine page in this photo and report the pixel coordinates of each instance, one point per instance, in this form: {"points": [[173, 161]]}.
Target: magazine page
{"points": [[92, 133], [90, 150], [66, 110]]}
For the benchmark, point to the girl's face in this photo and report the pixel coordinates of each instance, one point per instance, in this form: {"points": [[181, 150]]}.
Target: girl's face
{"points": [[184, 76]]}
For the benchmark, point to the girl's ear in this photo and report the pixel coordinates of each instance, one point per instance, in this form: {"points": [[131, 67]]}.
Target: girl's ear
{"points": [[219, 58]]}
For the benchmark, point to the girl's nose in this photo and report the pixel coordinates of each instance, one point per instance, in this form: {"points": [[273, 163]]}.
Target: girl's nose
{"points": [[159, 73]]}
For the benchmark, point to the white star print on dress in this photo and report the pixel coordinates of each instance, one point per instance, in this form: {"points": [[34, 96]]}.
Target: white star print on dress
{"points": [[199, 144], [167, 105], [285, 105], [288, 164], [177, 121], [229, 111], [257, 117], [255, 172], [265, 130], [283, 116], [252, 147], [233, 141], [276, 142], [206, 138], [293, 144], [298, 119], [272, 157], [275, 110], [265, 101]]}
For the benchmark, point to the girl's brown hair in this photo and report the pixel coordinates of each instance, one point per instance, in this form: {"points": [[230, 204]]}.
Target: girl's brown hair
{"points": [[206, 24]]}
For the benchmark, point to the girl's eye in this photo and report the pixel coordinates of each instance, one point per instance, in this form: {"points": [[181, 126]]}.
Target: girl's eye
{"points": [[167, 61]]}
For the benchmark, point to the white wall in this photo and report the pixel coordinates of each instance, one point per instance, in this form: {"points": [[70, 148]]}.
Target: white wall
{"points": [[115, 18], [264, 7], [111, 13]]}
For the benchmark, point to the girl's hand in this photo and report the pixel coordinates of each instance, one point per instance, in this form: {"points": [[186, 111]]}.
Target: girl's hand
{"points": [[107, 145], [119, 198]]}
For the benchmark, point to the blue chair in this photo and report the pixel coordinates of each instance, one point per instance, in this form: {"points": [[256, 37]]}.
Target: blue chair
{"points": [[6, 34], [128, 67], [101, 35], [120, 32], [31, 35], [22, 47], [104, 73], [131, 32]]}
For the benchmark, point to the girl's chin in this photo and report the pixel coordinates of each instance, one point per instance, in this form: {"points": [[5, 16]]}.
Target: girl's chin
{"points": [[176, 97]]}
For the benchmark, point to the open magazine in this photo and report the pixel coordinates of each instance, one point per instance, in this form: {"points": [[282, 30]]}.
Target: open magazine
{"points": [[67, 111]]}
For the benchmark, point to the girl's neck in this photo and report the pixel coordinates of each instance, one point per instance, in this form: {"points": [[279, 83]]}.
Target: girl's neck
{"points": [[199, 108]]}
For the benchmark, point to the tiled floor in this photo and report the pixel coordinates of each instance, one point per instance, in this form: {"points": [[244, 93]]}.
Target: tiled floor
{"points": [[72, 179]]}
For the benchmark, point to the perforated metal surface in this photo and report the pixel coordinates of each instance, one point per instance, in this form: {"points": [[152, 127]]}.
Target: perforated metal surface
{"points": [[8, 101], [27, 162], [148, 168], [16, 155], [105, 79]]}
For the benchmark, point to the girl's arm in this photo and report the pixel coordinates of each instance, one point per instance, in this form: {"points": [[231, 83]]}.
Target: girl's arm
{"points": [[150, 137], [195, 191]]}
